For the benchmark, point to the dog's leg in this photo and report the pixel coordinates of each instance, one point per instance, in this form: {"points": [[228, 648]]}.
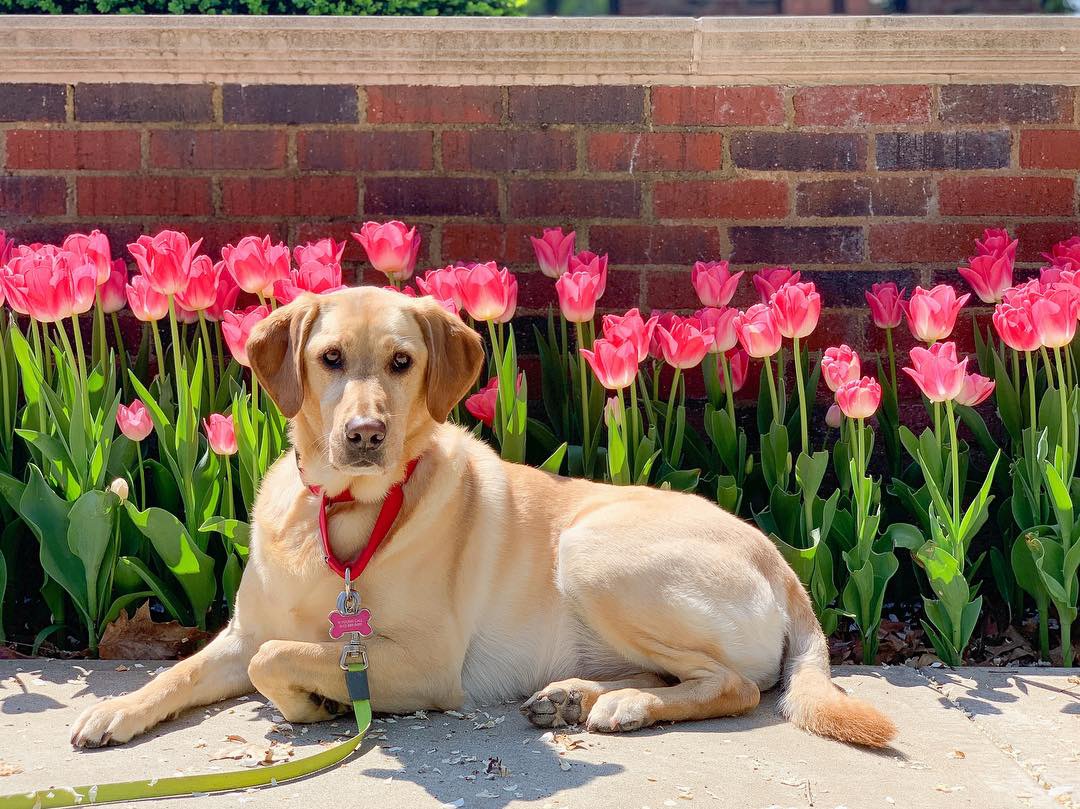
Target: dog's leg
{"points": [[217, 672], [305, 681], [567, 702], [722, 692]]}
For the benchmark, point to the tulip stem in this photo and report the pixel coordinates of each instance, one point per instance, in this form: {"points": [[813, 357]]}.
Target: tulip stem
{"points": [[955, 471], [1063, 399], [675, 379], [121, 350], [158, 349], [892, 360], [584, 400], [142, 474], [4, 380], [634, 426], [209, 361], [725, 364], [83, 385], [175, 334], [772, 389], [35, 335], [802, 397], [231, 513], [101, 347], [1031, 393]]}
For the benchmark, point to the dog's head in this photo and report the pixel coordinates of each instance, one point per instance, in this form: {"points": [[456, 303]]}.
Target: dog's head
{"points": [[365, 373]]}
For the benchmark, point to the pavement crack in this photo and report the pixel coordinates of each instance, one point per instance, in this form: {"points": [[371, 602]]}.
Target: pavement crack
{"points": [[1006, 748]]}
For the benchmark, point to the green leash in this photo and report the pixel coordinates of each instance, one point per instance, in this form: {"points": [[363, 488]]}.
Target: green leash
{"points": [[356, 678]]}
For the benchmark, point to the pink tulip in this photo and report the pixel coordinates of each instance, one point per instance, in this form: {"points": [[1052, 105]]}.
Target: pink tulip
{"points": [[1054, 316], [593, 264], [996, 242], [220, 433], [720, 324], [714, 284], [937, 372], [312, 276], [257, 264], [1066, 252], [42, 281], [886, 305], [859, 398], [834, 417], [112, 292], [839, 366], [667, 320], [482, 403], [511, 299], [758, 331], [487, 292], [134, 420], [227, 293], [976, 390], [1015, 327], [391, 248], [146, 303], [7, 247], [615, 364], [442, 285], [631, 328], [324, 251], [683, 344], [236, 328], [578, 293], [553, 251], [769, 280], [201, 290], [165, 260], [932, 313], [1024, 294], [739, 361], [613, 413], [91, 249], [989, 275], [797, 308]]}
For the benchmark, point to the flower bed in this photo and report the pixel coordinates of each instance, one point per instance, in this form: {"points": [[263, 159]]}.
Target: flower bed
{"points": [[129, 475]]}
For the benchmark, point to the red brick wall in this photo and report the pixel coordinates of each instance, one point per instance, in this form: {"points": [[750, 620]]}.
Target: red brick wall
{"points": [[852, 183]]}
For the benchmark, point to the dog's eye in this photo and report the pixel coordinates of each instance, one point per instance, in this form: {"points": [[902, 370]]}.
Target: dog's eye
{"points": [[400, 362], [332, 358]]}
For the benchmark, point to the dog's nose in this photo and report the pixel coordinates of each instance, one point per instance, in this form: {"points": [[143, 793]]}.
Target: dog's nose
{"points": [[366, 433]]}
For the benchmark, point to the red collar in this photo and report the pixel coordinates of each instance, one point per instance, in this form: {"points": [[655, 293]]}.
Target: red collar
{"points": [[391, 507]]}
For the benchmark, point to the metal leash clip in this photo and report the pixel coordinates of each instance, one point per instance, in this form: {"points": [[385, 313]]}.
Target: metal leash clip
{"points": [[350, 619]]}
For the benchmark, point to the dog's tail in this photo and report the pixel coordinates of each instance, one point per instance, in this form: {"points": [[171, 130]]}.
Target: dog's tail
{"points": [[810, 700]]}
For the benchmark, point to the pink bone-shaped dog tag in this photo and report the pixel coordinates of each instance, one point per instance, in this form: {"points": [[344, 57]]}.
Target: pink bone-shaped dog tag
{"points": [[343, 623]]}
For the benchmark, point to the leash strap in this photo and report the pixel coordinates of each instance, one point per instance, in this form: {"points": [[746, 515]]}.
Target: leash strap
{"points": [[197, 785]]}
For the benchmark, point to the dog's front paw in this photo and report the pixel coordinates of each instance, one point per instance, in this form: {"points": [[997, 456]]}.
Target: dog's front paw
{"points": [[114, 721], [555, 706], [619, 712]]}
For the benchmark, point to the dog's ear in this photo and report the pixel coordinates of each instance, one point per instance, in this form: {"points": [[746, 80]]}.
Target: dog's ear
{"points": [[276, 351], [455, 356]]}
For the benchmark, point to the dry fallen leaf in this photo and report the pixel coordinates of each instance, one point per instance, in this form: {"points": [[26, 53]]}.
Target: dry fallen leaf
{"points": [[141, 638], [568, 743], [958, 754], [9, 769]]}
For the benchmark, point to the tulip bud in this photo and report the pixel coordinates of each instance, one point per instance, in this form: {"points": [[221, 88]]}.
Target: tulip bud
{"points": [[119, 487]]}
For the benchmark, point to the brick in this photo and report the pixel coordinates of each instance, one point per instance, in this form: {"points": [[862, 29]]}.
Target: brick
{"points": [[289, 104], [846, 288], [144, 102], [655, 151], [61, 149], [431, 196], [721, 199], [797, 245], [922, 242], [671, 290], [597, 104], [397, 104], [1022, 196], [878, 196], [44, 196], [537, 292], [143, 196], [508, 150], [1037, 238], [217, 149], [1006, 103], [217, 233], [508, 244], [718, 106], [1050, 149], [655, 244], [337, 150], [288, 196], [575, 198], [33, 102], [798, 151], [120, 235], [915, 151], [858, 105]]}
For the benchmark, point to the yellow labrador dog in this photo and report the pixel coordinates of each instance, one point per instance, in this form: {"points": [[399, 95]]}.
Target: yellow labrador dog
{"points": [[614, 607]]}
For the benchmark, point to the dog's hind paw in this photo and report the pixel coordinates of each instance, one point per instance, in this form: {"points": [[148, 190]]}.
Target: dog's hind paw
{"points": [[110, 722], [553, 707]]}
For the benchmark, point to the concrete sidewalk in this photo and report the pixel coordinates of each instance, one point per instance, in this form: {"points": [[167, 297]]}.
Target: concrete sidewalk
{"points": [[987, 738]]}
